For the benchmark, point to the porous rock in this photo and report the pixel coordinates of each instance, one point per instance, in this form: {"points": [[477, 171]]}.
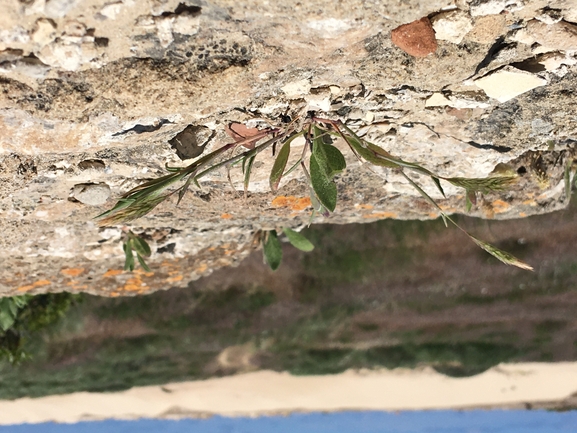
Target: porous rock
{"points": [[94, 93]]}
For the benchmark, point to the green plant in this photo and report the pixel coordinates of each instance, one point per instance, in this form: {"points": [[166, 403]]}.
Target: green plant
{"points": [[325, 161], [272, 250], [137, 244], [22, 315]]}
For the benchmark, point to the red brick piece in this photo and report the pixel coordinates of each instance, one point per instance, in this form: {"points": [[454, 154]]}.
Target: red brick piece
{"points": [[416, 38]]}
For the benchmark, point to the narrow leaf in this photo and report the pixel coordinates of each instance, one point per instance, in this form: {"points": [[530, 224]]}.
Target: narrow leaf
{"points": [[279, 165], [501, 255], [438, 183], [324, 188], [143, 263], [129, 260], [272, 250], [297, 240], [247, 172], [567, 178], [140, 246]]}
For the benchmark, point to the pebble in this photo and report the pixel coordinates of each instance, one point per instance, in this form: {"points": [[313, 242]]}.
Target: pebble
{"points": [[416, 38]]}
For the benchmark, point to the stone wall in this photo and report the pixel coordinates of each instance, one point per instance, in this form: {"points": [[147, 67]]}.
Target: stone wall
{"points": [[94, 92]]}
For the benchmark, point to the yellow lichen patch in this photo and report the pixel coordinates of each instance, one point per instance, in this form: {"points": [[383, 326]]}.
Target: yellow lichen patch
{"points": [[364, 206], [226, 216], [38, 283], [201, 268], [72, 272], [114, 294], [174, 279], [522, 214], [499, 206], [292, 202], [141, 273], [112, 273], [530, 202], [381, 215]]}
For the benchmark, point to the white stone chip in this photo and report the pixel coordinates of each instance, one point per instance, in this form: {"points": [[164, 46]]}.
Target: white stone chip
{"points": [[452, 26], [297, 89], [508, 83], [437, 100]]}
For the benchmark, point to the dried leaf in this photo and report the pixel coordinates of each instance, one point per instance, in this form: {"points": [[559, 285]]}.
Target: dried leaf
{"points": [[240, 132]]}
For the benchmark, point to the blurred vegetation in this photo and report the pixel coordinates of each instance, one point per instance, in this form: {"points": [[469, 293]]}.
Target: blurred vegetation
{"points": [[383, 295]]}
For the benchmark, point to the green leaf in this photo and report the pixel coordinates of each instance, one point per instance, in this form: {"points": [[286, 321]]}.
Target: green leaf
{"points": [[272, 250], [142, 263], [247, 172], [438, 183], [329, 158], [6, 319], [279, 165], [567, 178], [21, 301], [297, 240], [129, 260], [324, 188], [140, 245]]}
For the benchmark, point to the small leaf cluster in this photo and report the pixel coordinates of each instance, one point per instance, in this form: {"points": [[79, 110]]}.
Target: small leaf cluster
{"points": [[272, 249], [137, 244], [325, 161], [21, 316]]}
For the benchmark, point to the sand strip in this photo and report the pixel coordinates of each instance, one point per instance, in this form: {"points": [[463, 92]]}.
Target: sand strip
{"points": [[267, 392]]}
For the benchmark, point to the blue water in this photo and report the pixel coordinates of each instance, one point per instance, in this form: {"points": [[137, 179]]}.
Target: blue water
{"points": [[477, 421]]}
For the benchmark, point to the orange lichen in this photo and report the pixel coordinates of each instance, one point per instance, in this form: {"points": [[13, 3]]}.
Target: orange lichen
{"points": [[226, 216], [38, 283], [381, 215], [292, 202], [499, 206], [365, 206], [72, 272], [141, 273], [174, 279], [112, 273]]}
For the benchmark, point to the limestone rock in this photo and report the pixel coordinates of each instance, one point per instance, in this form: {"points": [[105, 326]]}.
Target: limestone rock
{"points": [[558, 36], [452, 26], [508, 83], [486, 29]]}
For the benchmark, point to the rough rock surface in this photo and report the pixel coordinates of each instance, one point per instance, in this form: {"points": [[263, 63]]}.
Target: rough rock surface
{"points": [[93, 91]]}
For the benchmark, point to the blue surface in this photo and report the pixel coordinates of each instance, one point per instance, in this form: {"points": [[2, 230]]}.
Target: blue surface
{"points": [[478, 421]]}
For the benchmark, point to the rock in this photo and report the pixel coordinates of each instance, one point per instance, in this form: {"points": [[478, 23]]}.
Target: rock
{"points": [[487, 7], [297, 89], [92, 194], [558, 36], [509, 82], [451, 26], [486, 29], [416, 38]]}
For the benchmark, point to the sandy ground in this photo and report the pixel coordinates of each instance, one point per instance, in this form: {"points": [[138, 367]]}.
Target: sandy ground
{"points": [[267, 392]]}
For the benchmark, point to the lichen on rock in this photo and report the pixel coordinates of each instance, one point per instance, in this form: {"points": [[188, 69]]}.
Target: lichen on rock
{"points": [[95, 94]]}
